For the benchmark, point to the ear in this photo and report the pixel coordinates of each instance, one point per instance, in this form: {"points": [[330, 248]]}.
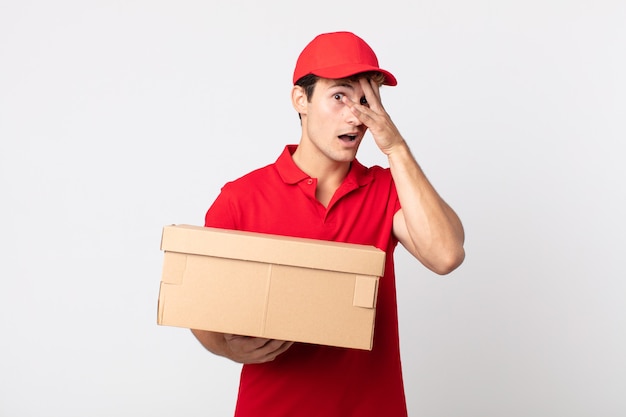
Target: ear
{"points": [[299, 99]]}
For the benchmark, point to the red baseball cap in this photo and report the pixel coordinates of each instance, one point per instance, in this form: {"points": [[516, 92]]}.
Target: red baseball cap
{"points": [[338, 55]]}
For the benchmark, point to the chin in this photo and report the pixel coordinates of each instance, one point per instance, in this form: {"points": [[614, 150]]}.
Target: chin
{"points": [[346, 158]]}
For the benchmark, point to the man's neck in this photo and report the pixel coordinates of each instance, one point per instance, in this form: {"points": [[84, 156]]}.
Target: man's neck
{"points": [[329, 174], [317, 165]]}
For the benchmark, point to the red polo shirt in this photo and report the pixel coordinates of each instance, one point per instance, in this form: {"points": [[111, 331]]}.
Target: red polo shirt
{"points": [[311, 380]]}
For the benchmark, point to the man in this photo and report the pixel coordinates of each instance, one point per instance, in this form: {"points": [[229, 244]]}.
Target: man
{"points": [[318, 189]]}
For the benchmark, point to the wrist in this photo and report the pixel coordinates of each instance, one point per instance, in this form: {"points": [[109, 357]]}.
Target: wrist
{"points": [[398, 149]]}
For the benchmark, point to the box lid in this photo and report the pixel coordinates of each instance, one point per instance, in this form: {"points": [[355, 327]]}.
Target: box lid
{"points": [[275, 249]]}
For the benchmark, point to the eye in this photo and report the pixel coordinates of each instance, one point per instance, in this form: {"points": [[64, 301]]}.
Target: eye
{"points": [[363, 101], [338, 96]]}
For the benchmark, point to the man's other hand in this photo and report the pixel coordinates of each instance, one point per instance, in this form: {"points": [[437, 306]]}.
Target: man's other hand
{"points": [[249, 350]]}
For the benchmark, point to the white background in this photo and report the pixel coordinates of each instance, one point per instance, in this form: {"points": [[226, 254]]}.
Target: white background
{"points": [[119, 117]]}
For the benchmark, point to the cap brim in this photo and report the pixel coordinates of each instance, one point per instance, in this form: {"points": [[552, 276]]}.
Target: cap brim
{"points": [[346, 70]]}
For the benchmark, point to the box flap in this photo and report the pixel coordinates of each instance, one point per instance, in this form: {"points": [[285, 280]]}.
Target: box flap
{"points": [[280, 250]]}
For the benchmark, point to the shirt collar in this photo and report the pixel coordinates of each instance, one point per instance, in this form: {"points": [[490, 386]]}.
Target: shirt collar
{"points": [[291, 174]]}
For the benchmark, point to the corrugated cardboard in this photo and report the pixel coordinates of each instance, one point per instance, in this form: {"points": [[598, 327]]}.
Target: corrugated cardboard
{"points": [[278, 287]]}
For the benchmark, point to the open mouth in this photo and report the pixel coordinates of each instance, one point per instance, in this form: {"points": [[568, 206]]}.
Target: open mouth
{"points": [[348, 138]]}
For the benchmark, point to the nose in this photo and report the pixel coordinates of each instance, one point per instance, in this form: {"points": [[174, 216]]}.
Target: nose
{"points": [[352, 119]]}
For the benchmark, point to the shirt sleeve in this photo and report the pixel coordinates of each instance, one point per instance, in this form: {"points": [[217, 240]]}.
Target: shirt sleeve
{"points": [[395, 200], [221, 212]]}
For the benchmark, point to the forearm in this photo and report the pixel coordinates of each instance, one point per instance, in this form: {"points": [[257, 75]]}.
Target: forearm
{"points": [[427, 226]]}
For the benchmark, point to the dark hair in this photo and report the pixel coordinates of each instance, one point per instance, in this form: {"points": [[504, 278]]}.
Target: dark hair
{"points": [[308, 84]]}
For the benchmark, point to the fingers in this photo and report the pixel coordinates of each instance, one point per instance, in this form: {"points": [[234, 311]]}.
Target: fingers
{"points": [[370, 115], [245, 349], [374, 116], [373, 109], [372, 93]]}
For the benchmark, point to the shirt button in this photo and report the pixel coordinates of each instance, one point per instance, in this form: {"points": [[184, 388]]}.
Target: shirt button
{"points": [[309, 181]]}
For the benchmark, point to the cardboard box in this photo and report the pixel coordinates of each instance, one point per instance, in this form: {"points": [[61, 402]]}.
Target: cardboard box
{"points": [[278, 287]]}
